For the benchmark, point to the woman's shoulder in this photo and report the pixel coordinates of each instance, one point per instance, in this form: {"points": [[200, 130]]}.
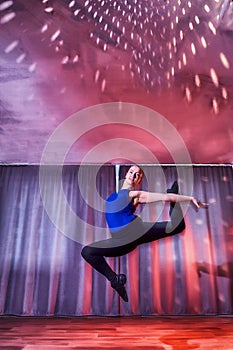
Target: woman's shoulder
{"points": [[119, 194], [111, 197]]}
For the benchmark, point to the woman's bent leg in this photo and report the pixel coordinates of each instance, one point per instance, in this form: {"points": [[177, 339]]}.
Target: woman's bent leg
{"points": [[158, 230], [177, 223], [95, 254], [94, 257]]}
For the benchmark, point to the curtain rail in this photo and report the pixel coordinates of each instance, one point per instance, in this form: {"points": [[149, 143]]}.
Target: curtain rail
{"points": [[112, 164]]}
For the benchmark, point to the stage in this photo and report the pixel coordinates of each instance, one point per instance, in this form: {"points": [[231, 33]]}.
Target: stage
{"points": [[168, 333]]}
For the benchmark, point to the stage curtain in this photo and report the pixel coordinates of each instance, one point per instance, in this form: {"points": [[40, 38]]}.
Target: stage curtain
{"points": [[192, 272], [41, 269], [43, 274]]}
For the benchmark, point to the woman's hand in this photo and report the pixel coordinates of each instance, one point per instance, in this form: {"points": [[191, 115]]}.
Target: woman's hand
{"points": [[195, 202], [198, 204]]}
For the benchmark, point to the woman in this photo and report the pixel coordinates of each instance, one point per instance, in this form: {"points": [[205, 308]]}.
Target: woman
{"points": [[128, 230]]}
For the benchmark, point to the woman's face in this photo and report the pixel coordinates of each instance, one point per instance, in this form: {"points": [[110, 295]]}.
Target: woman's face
{"points": [[134, 176]]}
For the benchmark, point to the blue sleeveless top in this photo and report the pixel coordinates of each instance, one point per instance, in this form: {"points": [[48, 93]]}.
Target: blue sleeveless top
{"points": [[119, 210]]}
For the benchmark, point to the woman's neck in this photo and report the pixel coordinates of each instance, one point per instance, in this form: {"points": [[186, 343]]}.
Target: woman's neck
{"points": [[126, 186]]}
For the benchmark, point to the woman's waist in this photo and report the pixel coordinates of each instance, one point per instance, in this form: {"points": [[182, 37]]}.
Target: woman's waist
{"points": [[134, 225]]}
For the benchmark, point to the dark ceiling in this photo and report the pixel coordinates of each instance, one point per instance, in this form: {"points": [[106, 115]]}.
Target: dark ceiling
{"points": [[60, 58]]}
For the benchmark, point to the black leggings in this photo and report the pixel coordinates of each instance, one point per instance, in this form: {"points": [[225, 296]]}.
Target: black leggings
{"points": [[127, 239]]}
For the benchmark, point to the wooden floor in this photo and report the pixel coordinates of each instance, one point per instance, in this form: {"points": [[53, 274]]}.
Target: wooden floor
{"points": [[178, 333]]}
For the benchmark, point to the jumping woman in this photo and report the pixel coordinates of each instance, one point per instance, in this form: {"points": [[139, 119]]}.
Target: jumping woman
{"points": [[128, 230]]}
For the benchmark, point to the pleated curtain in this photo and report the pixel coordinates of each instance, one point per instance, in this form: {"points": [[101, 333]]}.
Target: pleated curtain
{"points": [[48, 214]]}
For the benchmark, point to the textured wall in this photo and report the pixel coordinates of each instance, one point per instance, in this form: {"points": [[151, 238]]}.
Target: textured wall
{"points": [[59, 57]]}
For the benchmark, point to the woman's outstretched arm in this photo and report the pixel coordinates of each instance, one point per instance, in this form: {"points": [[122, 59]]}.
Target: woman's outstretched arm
{"points": [[141, 197]]}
